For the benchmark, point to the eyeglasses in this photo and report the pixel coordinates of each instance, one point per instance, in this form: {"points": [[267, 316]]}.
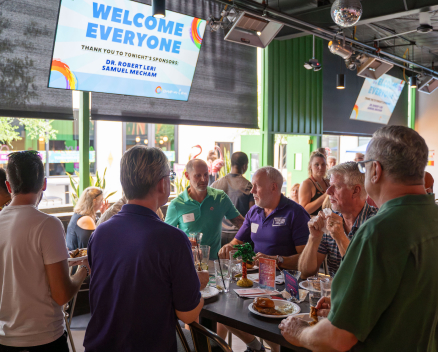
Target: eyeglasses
{"points": [[171, 176], [361, 165]]}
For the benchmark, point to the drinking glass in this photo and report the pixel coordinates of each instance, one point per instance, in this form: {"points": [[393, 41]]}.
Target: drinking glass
{"points": [[314, 292], [195, 238], [326, 287], [222, 273], [236, 266], [196, 260], [204, 254]]}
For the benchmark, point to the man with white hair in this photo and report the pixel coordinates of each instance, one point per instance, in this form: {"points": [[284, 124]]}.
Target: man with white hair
{"points": [[331, 161], [384, 296], [348, 201], [277, 226]]}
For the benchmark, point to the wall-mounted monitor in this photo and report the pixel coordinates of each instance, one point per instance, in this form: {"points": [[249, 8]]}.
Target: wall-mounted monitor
{"points": [[116, 46], [377, 99]]}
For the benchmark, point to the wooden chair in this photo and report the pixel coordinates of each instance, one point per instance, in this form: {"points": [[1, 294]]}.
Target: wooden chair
{"points": [[201, 337]]}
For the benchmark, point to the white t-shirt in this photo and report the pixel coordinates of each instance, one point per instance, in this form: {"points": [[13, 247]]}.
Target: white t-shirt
{"points": [[29, 239]]}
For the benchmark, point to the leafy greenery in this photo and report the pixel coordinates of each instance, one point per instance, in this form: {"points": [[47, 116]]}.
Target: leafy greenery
{"points": [[99, 182], [8, 131], [36, 128], [245, 251]]}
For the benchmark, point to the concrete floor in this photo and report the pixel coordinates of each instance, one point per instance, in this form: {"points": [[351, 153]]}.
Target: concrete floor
{"points": [[79, 324]]}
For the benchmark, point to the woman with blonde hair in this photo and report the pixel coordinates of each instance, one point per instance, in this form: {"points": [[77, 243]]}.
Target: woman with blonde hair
{"points": [[313, 190], [83, 222]]}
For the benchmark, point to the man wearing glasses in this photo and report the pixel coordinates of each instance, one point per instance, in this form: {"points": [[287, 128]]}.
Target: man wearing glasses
{"points": [[385, 294], [201, 208]]}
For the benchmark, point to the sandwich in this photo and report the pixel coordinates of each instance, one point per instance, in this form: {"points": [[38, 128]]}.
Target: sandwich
{"points": [[313, 315], [78, 253], [265, 306]]}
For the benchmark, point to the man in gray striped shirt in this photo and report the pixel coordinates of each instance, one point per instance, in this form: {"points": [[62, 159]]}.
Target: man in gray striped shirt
{"points": [[330, 235]]}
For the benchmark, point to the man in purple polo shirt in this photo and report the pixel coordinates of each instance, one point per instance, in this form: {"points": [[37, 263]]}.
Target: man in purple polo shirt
{"points": [[277, 226], [143, 275]]}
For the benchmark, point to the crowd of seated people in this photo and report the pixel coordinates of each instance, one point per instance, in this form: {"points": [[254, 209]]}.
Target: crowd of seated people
{"points": [[143, 279]]}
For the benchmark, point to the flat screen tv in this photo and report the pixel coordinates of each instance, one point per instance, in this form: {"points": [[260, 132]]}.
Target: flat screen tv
{"points": [[377, 99], [116, 46]]}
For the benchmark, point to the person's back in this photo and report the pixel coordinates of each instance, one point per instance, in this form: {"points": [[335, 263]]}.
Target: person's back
{"points": [[238, 189], [29, 239], [143, 276]]}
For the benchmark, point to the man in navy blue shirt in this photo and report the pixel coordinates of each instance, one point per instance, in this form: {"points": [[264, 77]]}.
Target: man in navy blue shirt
{"points": [[143, 276], [277, 226]]}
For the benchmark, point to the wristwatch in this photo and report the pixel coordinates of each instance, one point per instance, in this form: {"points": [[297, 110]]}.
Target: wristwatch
{"points": [[280, 260]]}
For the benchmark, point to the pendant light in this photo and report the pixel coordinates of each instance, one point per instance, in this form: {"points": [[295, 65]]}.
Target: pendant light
{"points": [[340, 81], [159, 8], [413, 81]]}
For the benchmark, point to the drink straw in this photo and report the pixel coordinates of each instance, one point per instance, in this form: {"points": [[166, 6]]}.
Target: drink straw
{"points": [[220, 268]]}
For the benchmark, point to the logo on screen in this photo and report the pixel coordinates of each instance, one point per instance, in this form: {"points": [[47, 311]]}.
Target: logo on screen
{"points": [[71, 82], [195, 32], [158, 90]]}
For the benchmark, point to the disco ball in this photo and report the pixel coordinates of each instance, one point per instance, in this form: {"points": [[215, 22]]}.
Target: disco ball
{"points": [[346, 13]]}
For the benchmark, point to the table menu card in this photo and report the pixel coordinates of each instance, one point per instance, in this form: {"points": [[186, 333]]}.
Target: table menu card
{"points": [[291, 284], [267, 273]]}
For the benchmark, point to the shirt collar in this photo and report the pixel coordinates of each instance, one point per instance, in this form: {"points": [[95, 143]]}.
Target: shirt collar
{"points": [[411, 199], [138, 209], [361, 217], [186, 197]]}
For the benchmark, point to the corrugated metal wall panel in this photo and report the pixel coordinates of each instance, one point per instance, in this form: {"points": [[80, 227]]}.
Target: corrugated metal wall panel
{"points": [[294, 94]]}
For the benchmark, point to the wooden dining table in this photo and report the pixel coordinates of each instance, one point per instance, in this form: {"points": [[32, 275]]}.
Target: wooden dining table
{"points": [[231, 310]]}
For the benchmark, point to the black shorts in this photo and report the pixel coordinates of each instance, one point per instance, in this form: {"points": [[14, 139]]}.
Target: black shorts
{"points": [[60, 345]]}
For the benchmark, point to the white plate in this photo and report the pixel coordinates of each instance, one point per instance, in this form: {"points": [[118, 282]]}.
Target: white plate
{"points": [[278, 302], [209, 292], [305, 285], [305, 317]]}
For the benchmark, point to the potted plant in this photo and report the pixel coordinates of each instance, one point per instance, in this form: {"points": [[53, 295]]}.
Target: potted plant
{"points": [[246, 252]]}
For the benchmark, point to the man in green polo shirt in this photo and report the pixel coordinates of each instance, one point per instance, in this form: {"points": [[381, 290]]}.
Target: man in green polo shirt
{"points": [[385, 294], [201, 208]]}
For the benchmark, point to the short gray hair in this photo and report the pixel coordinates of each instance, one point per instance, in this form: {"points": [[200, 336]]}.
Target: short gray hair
{"points": [[191, 164], [351, 174], [401, 151], [273, 174], [141, 169]]}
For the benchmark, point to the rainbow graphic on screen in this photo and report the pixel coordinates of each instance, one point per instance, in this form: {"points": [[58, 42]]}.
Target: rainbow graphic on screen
{"points": [[194, 32], [158, 90], [70, 78], [356, 108]]}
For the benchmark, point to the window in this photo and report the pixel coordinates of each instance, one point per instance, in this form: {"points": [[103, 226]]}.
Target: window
{"points": [[60, 149]]}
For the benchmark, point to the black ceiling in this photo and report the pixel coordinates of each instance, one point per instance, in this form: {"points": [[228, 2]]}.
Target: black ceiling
{"points": [[381, 18]]}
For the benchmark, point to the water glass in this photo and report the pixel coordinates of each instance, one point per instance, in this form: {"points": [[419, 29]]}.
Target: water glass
{"points": [[326, 287], [222, 273], [236, 266], [314, 292], [204, 256], [195, 238], [196, 260]]}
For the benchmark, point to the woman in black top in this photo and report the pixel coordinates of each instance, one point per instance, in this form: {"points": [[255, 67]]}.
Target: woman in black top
{"points": [[83, 222], [313, 190]]}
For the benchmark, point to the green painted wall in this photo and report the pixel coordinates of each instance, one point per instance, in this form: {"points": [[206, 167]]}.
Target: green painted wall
{"points": [[251, 145], [292, 95]]}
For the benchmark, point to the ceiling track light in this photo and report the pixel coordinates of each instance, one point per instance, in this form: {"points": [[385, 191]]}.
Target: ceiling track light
{"points": [[159, 8], [413, 81], [340, 81]]}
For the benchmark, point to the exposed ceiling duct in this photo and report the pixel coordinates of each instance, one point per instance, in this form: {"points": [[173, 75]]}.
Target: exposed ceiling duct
{"points": [[254, 8]]}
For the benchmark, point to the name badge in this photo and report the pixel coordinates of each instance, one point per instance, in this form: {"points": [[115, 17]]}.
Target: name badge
{"points": [[254, 227], [279, 222], [188, 217]]}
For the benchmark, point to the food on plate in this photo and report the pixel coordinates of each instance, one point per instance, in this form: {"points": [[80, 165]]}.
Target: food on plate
{"points": [[78, 253], [313, 315], [250, 265], [265, 306]]}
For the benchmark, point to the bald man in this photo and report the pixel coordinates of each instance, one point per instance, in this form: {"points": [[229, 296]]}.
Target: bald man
{"points": [[201, 208]]}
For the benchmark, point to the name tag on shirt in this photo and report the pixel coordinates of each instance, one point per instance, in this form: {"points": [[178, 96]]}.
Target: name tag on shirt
{"points": [[188, 217], [279, 222], [254, 227]]}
